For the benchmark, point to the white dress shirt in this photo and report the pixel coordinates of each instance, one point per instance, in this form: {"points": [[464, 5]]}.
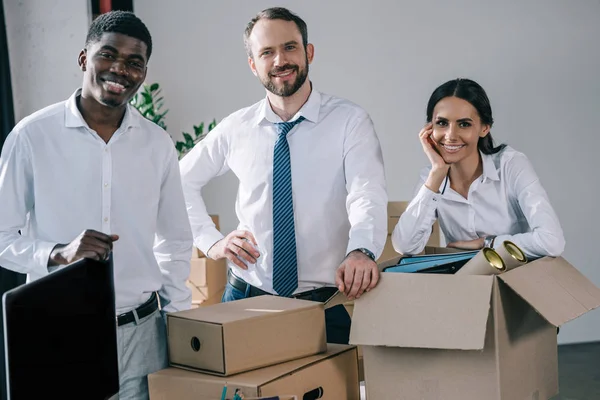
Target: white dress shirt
{"points": [[508, 201], [59, 178], [338, 185]]}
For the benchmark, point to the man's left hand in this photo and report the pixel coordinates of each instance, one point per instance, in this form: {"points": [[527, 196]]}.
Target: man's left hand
{"points": [[357, 274], [474, 244]]}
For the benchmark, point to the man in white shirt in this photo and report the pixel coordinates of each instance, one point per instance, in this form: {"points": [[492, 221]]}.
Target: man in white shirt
{"points": [[312, 202], [90, 176]]}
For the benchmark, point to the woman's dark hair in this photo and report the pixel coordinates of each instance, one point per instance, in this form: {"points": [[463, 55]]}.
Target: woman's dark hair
{"points": [[472, 92]]}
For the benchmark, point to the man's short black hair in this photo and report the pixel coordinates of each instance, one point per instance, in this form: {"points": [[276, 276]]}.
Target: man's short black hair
{"points": [[124, 22]]}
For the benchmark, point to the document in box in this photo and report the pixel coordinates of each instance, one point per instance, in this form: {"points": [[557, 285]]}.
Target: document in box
{"points": [[433, 263]]}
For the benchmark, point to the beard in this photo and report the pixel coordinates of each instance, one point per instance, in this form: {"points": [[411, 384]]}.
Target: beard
{"points": [[288, 88]]}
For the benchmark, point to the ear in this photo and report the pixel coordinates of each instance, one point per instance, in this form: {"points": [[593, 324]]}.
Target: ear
{"points": [[485, 131], [82, 59], [310, 52], [252, 66]]}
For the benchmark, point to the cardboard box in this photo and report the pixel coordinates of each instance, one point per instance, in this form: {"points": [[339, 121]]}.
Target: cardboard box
{"points": [[233, 337], [429, 336], [334, 371], [395, 210], [196, 253], [207, 280]]}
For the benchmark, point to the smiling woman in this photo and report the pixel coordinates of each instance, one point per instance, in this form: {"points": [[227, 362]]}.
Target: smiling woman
{"points": [[481, 194]]}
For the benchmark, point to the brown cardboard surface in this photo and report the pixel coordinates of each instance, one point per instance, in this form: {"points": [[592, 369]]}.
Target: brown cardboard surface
{"points": [[526, 346], [207, 278], [196, 253], [423, 310], [557, 290], [412, 348], [247, 334], [335, 371]]}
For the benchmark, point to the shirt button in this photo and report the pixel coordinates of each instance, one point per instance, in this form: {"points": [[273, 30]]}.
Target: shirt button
{"points": [[105, 184], [106, 219]]}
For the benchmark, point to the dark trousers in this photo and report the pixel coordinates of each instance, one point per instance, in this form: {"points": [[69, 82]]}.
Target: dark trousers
{"points": [[337, 320]]}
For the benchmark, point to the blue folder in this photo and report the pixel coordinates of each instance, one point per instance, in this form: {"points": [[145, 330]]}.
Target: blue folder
{"points": [[433, 263]]}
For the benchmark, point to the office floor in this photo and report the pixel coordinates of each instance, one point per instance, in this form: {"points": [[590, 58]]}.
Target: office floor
{"points": [[579, 372]]}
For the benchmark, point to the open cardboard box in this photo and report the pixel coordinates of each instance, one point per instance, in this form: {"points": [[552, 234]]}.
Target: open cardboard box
{"points": [[429, 336]]}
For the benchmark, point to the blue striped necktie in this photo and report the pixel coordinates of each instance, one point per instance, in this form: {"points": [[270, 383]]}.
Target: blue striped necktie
{"points": [[285, 266]]}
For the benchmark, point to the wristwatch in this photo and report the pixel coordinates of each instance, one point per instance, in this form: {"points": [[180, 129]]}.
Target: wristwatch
{"points": [[366, 252], [488, 241]]}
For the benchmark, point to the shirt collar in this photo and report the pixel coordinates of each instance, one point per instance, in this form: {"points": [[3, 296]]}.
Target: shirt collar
{"points": [[74, 119], [489, 167], [310, 110]]}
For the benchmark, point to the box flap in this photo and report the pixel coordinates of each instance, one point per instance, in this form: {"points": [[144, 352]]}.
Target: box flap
{"points": [[554, 288], [425, 311], [252, 307], [257, 377]]}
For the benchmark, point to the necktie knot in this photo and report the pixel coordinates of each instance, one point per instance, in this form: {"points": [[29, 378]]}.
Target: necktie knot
{"points": [[284, 127]]}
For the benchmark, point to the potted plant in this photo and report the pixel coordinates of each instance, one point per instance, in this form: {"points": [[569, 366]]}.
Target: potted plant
{"points": [[150, 105]]}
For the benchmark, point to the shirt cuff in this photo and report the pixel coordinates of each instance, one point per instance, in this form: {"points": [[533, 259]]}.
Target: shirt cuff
{"points": [[427, 196], [361, 243], [42, 256], [209, 237]]}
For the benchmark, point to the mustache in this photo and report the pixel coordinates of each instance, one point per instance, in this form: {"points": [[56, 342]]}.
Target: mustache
{"points": [[283, 68]]}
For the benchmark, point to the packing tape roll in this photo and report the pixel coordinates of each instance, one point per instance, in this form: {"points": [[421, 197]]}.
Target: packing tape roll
{"points": [[511, 254], [486, 262]]}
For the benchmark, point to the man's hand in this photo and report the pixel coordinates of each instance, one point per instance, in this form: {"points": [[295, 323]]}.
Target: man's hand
{"points": [[237, 246], [357, 274], [474, 244], [89, 244]]}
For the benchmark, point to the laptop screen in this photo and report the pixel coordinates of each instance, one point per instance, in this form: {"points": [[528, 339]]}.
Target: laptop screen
{"points": [[60, 334]]}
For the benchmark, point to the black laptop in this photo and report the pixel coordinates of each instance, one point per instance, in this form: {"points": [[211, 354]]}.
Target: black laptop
{"points": [[60, 335]]}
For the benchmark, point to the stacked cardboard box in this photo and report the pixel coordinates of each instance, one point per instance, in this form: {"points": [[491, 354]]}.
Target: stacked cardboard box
{"points": [[455, 337], [260, 346], [207, 278]]}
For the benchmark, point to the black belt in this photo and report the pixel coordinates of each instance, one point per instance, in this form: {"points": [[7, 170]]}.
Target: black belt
{"points": [[142, 311], [321, 294]]}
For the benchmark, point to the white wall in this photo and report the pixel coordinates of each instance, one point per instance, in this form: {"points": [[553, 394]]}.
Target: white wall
{"points": [[538, 61], [44, 40]]}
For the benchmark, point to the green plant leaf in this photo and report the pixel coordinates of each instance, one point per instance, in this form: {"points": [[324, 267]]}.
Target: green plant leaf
{"points": [[180, 146], [212, 125], [189, 142], [199, 129], [147, 98], [154, 87]]}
